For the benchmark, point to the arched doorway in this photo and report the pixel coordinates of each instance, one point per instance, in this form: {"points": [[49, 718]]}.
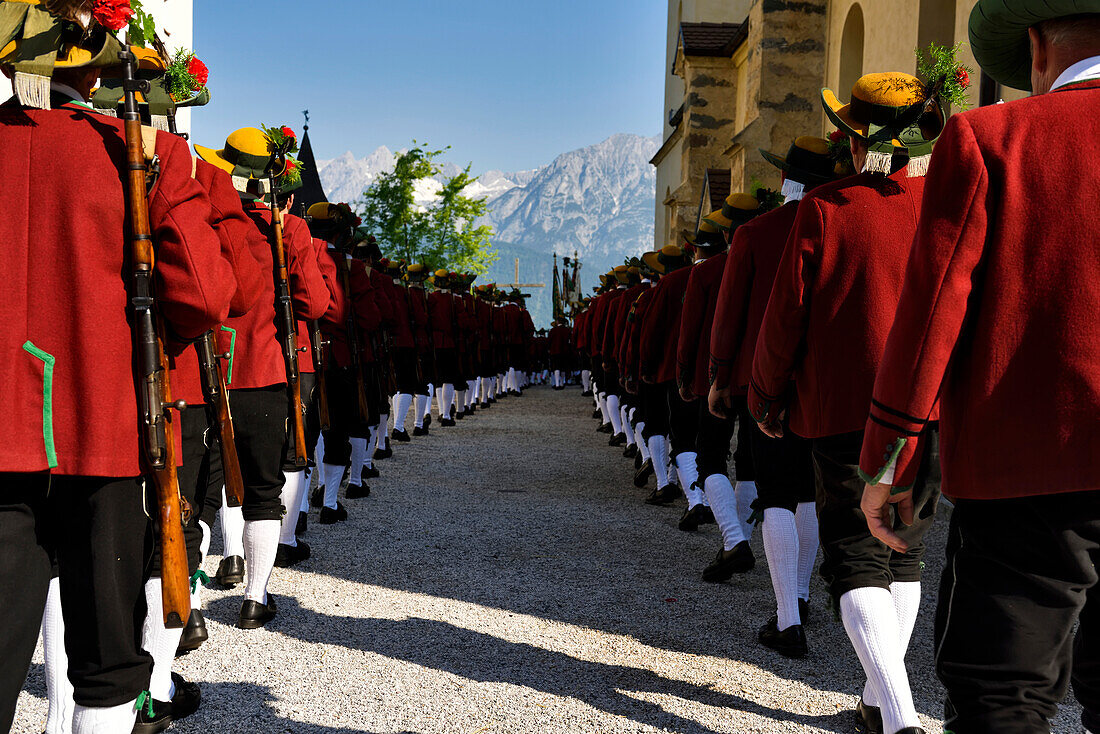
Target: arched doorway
{"points": [[851, 52]]}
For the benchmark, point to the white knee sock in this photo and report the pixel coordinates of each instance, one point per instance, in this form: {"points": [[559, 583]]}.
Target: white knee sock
{"points": [[602, 404], [613, 413], [460, 400], [586, 379], [333, 473], [307, 485], [746, 495], [359, 456], [906, 598], [159, 642], [382, 433], [781, 548], [401, 405], [471, 392], [657, 451], [111, 720], [59, 691], [232, 528], [423, 406], [723, 503], [431, 391], [291, 497], [688, 472], [261, 542], [204, 544], [643, 446], [805, 519], [872, 626], [624, 420]]}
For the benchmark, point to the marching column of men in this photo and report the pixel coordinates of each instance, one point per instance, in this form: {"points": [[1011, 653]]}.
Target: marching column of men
{"points": [[282, 342], [825, 334]]}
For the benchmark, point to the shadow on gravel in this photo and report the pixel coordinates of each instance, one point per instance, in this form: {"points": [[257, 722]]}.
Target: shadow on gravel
{"points": [[486, 659], [232, 708]]}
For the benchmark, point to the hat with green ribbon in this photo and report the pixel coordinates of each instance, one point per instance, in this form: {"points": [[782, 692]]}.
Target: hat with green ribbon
{"points": [[998, 34], [809, 161], [179, 83], [36, 38]]}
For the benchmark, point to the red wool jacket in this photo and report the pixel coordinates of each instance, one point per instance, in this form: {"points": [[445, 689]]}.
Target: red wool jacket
{"points": [[693, 346], [661, 328], [420, 318], [751, 265], [616, 327], [833, 302], [66, 372], [484, 313], [361, 303], [628, 361], [234, 230], [402, 330], [561, 341], [580, 331], [441, 310], [998, 316]]}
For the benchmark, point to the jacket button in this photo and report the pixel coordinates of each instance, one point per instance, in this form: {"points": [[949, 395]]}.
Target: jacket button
{"points": [[890, 447], [886, 457]]}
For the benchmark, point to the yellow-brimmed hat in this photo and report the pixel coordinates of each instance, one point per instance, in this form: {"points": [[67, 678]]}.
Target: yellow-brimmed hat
{"points": [[246, 154], [893, 114], [666, 259], [809, 161]]}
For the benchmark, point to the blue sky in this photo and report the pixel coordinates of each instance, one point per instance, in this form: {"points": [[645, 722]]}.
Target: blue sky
{"points": [[509, 84]]}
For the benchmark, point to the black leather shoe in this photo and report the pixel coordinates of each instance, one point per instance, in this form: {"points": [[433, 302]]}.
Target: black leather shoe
{"points": [[618, 439], [664, 496], [369, 472], [471, 409], [790, 643], [729, 562], [303, 523], [691, 519], [418, 431], [912, 730], [597, 414], [330, 516], [255, 615], [869, 718], [401, 436], [586, 394], [459, 415], [230, 571], [645, 471], [427, 420], [317, 496], [291, 555], [605, 428], [630, 451], [492, 400], [446, 422], [194, 634], [637, 460], [357, 491], [381, 454], [706, 515], [157, 716]]}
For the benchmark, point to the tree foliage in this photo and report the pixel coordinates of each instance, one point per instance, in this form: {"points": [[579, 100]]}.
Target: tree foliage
{"points": [[441, 233]]}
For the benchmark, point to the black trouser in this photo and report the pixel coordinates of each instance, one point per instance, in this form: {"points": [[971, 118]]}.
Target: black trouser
{"points": [[99, 531], [654, 409], [853, 558], [713, 442], [446, 366], [1020, 573], [404, 363], [611, 385], [345, 421], [784, 469], [260, 422], [683, 421]]}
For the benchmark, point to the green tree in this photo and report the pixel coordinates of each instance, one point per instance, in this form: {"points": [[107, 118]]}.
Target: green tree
{"points": [[441, 234]]}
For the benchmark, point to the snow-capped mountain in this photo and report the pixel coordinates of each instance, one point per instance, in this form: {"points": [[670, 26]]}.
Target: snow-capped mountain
{"points": [[595, 201]]}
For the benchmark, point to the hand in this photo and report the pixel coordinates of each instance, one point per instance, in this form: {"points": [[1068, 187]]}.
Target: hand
{"points": [[880, 520], [772, 426], [718, 400], [685, 394]]}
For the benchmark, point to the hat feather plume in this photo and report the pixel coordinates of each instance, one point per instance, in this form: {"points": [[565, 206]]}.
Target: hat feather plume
{"points": [[78, 11]]}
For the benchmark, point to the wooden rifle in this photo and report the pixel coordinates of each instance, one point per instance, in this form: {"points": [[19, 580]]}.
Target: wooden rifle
{"points": [[154, 391], [318, 342], [285, 322]]}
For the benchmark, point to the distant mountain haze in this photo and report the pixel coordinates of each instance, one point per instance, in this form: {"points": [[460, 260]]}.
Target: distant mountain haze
{"points": [[596, 201]]}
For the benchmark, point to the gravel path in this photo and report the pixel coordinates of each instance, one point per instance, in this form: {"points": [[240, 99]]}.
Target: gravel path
{"points": [[504, 576]]}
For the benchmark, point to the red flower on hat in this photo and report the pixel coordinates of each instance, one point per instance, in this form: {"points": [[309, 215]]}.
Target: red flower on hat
{"points": [[198, 70], [291, 166], [837, 135], [288, 132], [114, 15], [963, 78]]}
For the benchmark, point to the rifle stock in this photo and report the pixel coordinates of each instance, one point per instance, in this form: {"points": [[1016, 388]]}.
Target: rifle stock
{"points": [[288, 332], [154, 391], [217, 397], [318, 341]]}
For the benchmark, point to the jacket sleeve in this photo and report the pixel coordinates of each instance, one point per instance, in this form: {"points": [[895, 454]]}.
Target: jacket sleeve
{"points": [[194, 280], [235, 230], [786, 319], [650, 344], [731, 313], [364, 299], [308, 291], [691, 327], [939, 279]]}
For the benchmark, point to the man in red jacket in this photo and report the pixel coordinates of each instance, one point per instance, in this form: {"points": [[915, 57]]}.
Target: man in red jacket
{"points": [[68, 384], [630, 287], [783, 467], [997, 320], [830, 309], [407, 321], [441, 308], [258, 391], [560, 349], [416, 274]]}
